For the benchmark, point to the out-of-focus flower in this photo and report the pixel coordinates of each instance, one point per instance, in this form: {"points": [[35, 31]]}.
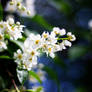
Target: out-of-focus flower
{"points": [[90, 24], [24, 8]]}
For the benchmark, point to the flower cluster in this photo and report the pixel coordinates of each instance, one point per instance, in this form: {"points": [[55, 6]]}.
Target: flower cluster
{"points": [[48, 43], [26, 8], [11, 29]]}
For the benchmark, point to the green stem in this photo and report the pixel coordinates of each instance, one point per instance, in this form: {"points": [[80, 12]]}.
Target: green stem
{"points": [[63, 39]]}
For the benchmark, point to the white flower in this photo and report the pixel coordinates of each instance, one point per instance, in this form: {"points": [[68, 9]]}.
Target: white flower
{"points": [[34, 41], [51, 39], [13, 30], [62, 32], [18, 56], [10, 21], [2, 46], [50, 52], [2, 27], [67, 43], [62, 46], [71, 37], [57, 30], [45, 35], [29, 61]]}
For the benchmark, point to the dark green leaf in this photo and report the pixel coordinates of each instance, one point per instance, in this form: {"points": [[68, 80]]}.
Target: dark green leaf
{"points": [[40, 20], [1, 12], [59, 62], [77, 51]]}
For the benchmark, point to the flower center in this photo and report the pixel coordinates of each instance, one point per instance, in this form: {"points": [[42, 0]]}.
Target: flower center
{"points": [[20, 56], [37, 41], [1, 37], [32, 53], [49, 49], [45, 35], [1, 26]]}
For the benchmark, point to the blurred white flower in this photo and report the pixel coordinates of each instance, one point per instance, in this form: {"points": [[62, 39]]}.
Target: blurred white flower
{"points": [[90, 24], [23, 8]]}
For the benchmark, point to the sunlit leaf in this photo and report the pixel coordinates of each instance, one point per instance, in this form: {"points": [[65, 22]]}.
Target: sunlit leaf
{"points": [[32, 73], [5, 57]]}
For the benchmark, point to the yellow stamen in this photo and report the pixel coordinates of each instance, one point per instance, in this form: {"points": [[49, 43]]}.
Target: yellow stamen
{"points": [[37, 41], [32, 53], [20, 56]]}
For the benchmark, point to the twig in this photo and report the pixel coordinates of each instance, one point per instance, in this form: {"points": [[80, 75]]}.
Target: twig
{"points": [[15, 86]]}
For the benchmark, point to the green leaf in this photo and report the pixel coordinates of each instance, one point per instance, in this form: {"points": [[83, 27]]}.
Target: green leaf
{"points": [[32, 73], [5, 57], [39, 89], [62, 6], [22, 75], [29, 90], [1, 12], [41, 21], [13, 47]]}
